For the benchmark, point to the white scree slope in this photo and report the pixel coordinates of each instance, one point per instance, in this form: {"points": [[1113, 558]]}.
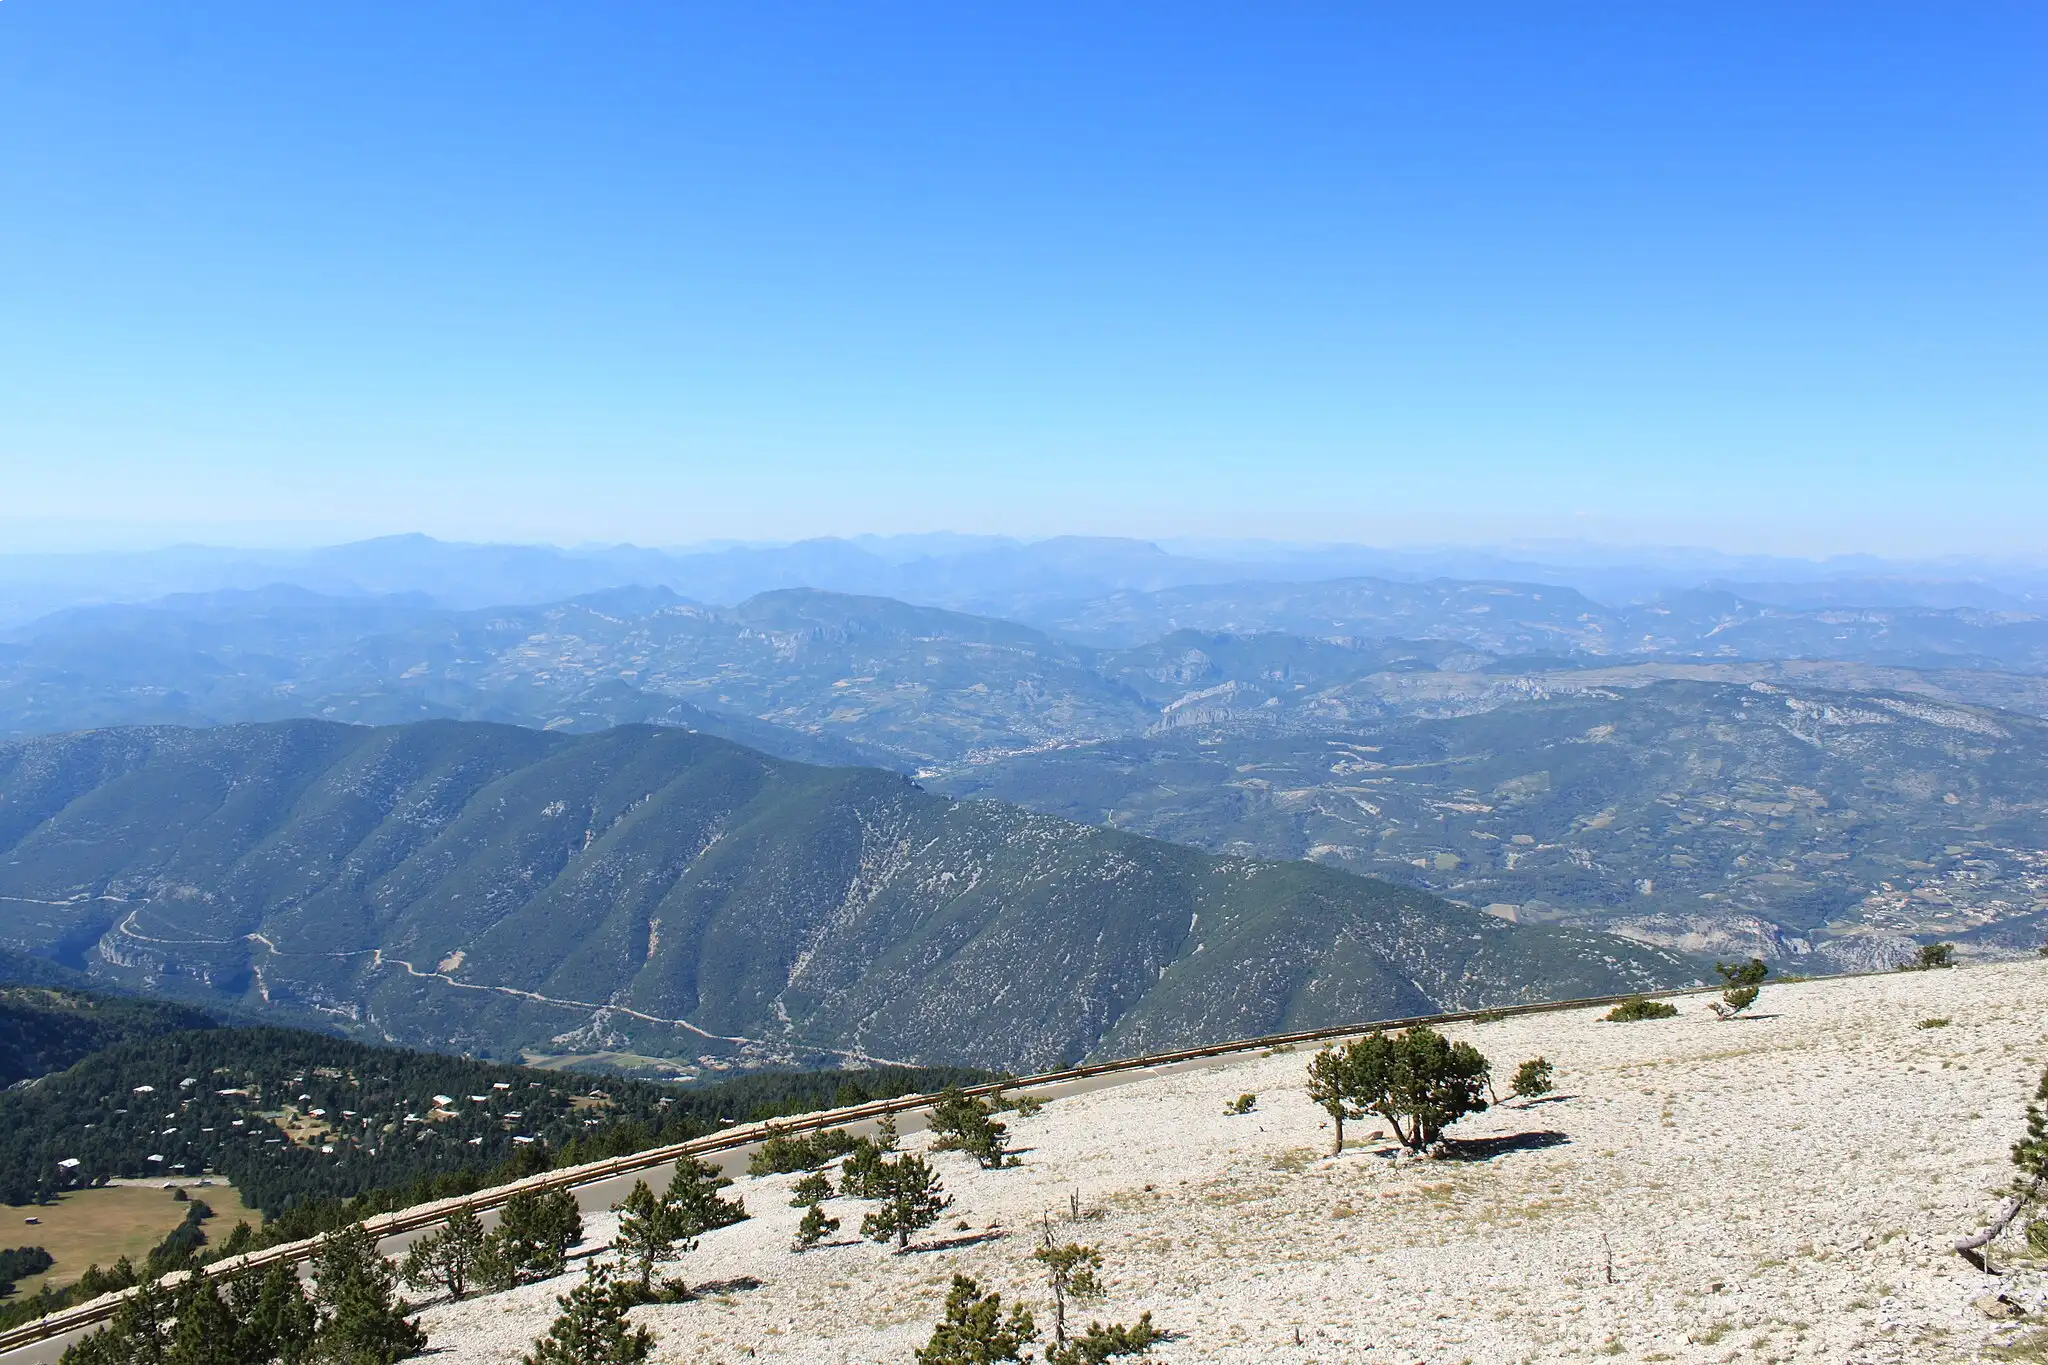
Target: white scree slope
{"points": [[1783, 1187]]}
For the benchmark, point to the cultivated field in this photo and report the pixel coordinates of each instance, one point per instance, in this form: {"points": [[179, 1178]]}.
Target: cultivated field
{"points": [[1782, 1188]]}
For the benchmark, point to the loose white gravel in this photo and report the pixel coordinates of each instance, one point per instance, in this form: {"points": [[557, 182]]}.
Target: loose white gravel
{"points": [[1779, 1188]]}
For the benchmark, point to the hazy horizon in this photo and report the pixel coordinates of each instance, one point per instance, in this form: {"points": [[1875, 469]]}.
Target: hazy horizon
{"points": [[22, 538]]}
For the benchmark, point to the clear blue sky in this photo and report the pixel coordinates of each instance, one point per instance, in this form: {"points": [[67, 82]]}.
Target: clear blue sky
{"points": [[1762, 276]]}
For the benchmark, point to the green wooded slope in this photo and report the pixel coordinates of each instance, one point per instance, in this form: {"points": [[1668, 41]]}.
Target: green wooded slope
{"points": [[675, 894]]}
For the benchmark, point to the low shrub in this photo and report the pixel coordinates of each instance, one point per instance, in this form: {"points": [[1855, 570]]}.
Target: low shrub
{"points": [[781, 1155], [1533, 1078], [1931, 957], [1023, 1106], [1637, 1008], [1744, 980]]}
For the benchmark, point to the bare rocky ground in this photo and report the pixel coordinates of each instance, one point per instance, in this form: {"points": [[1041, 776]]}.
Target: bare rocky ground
{"points": [[1781, 1188]]}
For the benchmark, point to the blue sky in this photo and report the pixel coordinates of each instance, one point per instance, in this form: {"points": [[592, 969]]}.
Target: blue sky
{"points": [[1764, 277]]}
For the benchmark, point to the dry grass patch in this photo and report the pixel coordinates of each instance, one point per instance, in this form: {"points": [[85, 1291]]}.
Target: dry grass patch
{"points": [[99, 1227], [2031, 1346], [1295, 1160]]}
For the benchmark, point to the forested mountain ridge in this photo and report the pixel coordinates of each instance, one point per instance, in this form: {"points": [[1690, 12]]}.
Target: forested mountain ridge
{"points": [[491, 889], [43, 1029]]}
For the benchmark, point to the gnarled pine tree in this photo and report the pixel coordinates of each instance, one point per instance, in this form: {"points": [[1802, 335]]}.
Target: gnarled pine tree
{"points": [[1418, 1081], [1744, 980]]}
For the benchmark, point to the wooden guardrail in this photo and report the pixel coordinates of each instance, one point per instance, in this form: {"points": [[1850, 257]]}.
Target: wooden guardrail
{"points": [[725, 1139]]}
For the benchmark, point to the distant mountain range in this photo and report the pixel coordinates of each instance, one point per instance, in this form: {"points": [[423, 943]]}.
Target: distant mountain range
{"points": [[831, 678], [1832, 830], [1526, 619], [500, 890], [991, 575], [1824, 773]]}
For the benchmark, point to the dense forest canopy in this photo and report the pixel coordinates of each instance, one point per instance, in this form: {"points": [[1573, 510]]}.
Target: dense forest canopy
{"points": [[45, 1029]]}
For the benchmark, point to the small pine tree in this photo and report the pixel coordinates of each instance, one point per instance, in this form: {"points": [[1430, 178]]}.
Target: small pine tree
{"points": [[446, 1259], [561, 1222], [1331, 1084], [814, 1228], [777, 1155], [649, 1233], [592, 1328], [693, 1194], [781, 1154], [278, 1321], [965, 1124], [860, 1174], [975, 1330], [1099, 1343], [1744, 979], [205, 1334], [363, 1321], [1070, 1274], [1533, 1079], [912, 1200], [951, 1116], [1023, 1106], [810, 1190], [991, 1147], [495, 1269], [535, 1231]]}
